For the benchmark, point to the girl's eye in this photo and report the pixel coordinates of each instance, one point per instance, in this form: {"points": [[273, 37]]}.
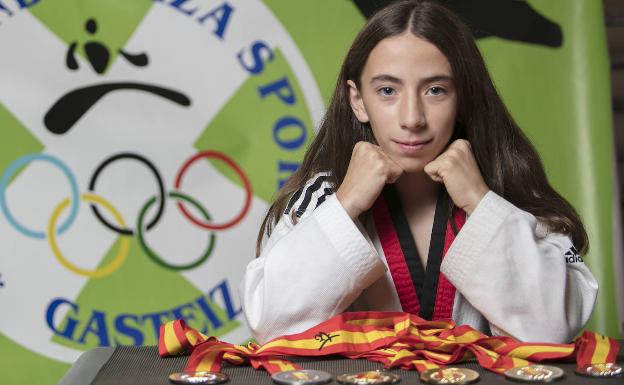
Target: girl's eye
{"points": [[435, 91], [386, 91]]}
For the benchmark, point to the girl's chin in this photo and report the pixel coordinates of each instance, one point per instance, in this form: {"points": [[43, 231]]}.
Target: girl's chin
{"points": [[411, 166]]}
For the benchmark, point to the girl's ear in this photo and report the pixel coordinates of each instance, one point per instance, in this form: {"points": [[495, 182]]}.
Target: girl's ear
{"points": [[357, 104]]}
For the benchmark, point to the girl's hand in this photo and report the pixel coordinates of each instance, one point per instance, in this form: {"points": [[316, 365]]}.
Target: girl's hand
{"points": [[369, 170], [457, 169]]}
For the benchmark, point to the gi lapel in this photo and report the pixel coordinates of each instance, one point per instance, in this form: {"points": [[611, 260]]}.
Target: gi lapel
{"points": [[426, 293]]}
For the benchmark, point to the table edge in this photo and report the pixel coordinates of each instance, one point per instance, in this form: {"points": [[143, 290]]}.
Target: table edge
{"points": [[87, 366]]}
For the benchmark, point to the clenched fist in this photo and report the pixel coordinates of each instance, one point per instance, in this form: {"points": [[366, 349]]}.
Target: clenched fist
{"points": [[369, 170], [458, 170]]}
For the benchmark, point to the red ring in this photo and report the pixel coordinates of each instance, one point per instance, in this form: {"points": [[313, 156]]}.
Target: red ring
{"points": [[236, 168]]}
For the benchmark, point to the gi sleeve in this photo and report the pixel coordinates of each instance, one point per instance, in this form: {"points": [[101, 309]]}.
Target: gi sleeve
{"points": [[308, 271], [528, 283]]}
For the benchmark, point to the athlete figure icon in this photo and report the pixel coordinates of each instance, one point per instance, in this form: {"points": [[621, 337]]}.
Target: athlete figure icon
{"points": [[98, 54], [324, 338], [70, 107], [514, 20]]}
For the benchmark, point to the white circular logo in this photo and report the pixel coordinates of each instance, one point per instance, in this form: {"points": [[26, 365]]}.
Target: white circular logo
{"points": [[155, 165]]}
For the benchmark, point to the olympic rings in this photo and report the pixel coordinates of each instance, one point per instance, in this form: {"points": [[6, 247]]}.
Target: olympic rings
{"points": [[236, 168], [155, 257], [120, 225], [161, 190], [22, 161], [124, 244]]}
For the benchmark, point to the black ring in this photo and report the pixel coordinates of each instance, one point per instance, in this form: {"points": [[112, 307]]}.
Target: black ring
{"points": [[161, 191]]}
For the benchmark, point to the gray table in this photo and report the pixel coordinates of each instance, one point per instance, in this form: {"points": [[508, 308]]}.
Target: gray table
{"points": [[125, 365]]}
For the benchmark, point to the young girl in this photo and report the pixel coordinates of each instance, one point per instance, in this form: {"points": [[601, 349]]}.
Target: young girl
{"points": [[420, 194]]}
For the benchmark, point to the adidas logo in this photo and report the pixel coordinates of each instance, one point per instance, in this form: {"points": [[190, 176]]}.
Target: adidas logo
{"points": [[572, 255]]}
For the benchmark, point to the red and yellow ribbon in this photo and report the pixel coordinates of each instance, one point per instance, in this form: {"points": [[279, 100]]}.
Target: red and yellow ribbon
{"points": [[593, 348], [394, 339]]}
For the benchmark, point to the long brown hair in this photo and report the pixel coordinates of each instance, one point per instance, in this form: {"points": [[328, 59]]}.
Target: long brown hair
{"points": [[508, 162]]}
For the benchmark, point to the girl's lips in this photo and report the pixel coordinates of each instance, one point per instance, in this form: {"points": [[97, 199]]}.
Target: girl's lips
{"points": [[412, 147]]}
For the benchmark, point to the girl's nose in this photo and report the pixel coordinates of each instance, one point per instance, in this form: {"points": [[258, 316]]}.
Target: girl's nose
{"points": [[411, 114]]}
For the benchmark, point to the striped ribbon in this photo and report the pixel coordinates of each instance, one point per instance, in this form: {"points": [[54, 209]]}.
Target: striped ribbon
{"points": [[394, 339]]}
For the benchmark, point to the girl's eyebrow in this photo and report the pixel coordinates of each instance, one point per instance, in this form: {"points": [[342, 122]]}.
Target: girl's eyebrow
{"points": [[393, 79], [386, 78], [437, 78]]}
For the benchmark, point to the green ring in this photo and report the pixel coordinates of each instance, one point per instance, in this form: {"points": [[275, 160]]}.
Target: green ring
{"points": [[155, 257]]}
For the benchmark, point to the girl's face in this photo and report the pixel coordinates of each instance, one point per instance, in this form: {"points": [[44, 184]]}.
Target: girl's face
{"points": [[408, 97]]}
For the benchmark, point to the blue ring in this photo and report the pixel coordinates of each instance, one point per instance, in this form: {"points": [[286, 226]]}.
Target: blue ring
{"points": [[22, 161]]}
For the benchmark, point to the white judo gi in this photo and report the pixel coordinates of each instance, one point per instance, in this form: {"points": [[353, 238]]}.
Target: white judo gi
{"points": [[512, 276]]}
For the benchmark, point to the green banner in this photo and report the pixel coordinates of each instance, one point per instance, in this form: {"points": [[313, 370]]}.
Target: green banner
{"points": [[560, 96]]}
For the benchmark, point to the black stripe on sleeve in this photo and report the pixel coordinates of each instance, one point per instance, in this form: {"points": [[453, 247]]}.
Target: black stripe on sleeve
{"points": [[326, 193], [292, 200], [308, 195]]}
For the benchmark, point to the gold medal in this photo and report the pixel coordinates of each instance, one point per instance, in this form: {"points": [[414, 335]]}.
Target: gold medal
{"points": [[302, 377], [376, 377], [198, 378], [601, 370], [535, 373], [449, 376]]}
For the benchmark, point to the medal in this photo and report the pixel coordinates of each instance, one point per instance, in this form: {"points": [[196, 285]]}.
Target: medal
{"points": [[535, 373], [377, 377], [449, 376], [198, 378], [600, 370], [302, 377]]}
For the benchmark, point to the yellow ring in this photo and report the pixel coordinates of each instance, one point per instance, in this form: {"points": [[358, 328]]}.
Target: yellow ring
{"points": [[124, 244]]}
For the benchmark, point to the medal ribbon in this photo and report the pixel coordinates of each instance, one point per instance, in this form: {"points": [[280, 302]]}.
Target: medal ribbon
{"points": [[593, 348], [207, 353], [392, 338]]}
